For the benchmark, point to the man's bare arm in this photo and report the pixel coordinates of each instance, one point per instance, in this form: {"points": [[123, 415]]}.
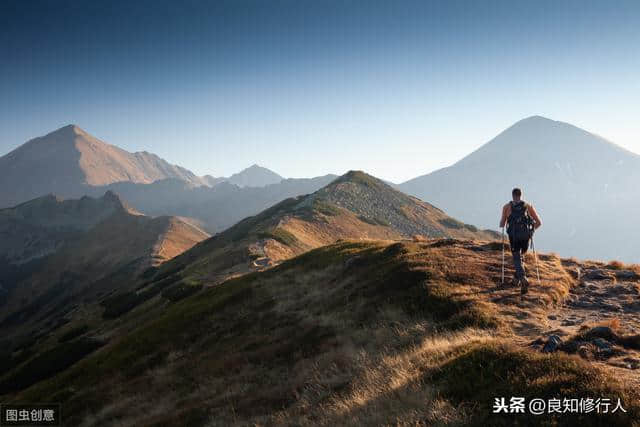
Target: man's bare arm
{"points": [[536, 218], [505, 214]]}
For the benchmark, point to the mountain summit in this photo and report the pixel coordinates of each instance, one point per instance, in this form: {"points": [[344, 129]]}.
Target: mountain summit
{"points": [[69, 159], [572, 176], [353, 206], [255, 176]]}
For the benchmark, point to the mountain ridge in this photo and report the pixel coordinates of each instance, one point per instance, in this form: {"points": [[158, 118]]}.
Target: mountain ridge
{"points": [[69, 159], [355, 205]]}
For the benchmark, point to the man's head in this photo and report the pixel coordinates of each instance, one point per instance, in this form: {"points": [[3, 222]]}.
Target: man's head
{"points": [[516, 193]]}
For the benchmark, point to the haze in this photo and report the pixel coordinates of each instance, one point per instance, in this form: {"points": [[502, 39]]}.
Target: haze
{"points": [[396, 91]]}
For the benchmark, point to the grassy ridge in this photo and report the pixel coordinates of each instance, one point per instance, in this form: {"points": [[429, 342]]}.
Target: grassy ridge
{"points": [[356, 333]]}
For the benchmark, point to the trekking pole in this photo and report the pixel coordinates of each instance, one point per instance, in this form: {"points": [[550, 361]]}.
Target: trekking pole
{"points": [[535, 255], [502, 282]]}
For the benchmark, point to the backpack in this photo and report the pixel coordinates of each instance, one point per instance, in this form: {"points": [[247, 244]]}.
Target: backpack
{"points": [[520, 223]]}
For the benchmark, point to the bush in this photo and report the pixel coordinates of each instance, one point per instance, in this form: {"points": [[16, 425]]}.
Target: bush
{"points": [[280, 235], [451, 223], [373, 221], [326, 208]]}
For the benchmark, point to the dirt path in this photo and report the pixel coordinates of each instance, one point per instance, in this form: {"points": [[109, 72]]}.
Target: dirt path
{"points": [[601, 298]]}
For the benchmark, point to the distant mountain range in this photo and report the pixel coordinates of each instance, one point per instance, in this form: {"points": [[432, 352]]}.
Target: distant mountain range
{"points": [[253, 176], [54, 250], [70, 162], [215, 208], [584, 187], [67, 160]]}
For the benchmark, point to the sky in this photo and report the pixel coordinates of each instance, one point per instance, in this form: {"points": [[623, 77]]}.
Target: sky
{"points": [[305, 88]]}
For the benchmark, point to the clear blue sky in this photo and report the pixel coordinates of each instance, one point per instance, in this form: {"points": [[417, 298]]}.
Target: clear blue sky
{"points": [[396, 88]]}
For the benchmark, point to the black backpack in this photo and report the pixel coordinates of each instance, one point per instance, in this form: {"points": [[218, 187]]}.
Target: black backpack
{"points": [[520, 226]]}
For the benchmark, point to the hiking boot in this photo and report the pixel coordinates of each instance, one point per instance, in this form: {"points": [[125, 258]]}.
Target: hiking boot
{"points": [[524, 286], [515, 281]]}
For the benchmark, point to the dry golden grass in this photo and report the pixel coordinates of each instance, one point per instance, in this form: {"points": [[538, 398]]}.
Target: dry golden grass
{"points": [[356, 333]]}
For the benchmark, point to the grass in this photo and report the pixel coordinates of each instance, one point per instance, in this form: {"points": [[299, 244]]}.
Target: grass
{"points": [[180, 291], [73, 333], [326, 208], [281, 235], [496, 370], [457, 225], [48, 364], [374, 221], [361, 178], [355, 333], [120, 303]]}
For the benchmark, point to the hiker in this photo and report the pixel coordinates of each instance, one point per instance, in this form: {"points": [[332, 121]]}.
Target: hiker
{"points": [[522, 220]]}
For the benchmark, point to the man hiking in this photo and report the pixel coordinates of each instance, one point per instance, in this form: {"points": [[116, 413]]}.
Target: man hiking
{"points": [[522, 220]]}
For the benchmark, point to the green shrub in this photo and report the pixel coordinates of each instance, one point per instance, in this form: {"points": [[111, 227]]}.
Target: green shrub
{"points": [[471, 227], [451, 223], [325, 208], [279, 234]]}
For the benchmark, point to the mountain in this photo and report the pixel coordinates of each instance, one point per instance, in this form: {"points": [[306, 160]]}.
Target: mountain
{"points": [[354, 206], [584, 187], [215, 208], [39, 227], [356, 302], [254, 176], [69, 160], [55, 253], [212, 180], [71, 163]]}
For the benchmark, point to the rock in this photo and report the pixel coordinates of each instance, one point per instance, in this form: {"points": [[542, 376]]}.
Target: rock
{"points": [[627, 275], [538, 341], [553, 342], [632, 362], [597, 274], [600, 332], [605, 352], [584, 351], [602, 344], [552, 317]]}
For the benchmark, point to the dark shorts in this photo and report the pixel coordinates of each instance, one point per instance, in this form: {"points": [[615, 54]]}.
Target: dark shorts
{"points": [[519, 245]]}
